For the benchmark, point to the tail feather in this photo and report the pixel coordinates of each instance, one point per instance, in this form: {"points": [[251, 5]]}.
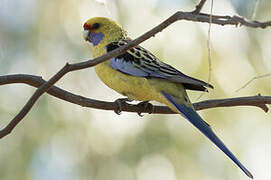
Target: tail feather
{"points": [[191, 115]]}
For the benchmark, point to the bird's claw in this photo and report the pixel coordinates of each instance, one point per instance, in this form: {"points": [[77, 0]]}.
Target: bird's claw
{"points": [[120, 103], [146, 106], [140, 114]]}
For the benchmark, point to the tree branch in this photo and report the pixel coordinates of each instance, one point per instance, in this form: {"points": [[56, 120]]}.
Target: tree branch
{"points": [[199, 7], [37, 81], [190, 16]]}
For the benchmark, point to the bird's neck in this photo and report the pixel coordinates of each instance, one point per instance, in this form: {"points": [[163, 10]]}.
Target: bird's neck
{"points": [[100, 49]]}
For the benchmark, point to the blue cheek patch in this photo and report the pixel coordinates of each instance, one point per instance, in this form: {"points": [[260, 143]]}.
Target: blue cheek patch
{"points": [[96, 38]]}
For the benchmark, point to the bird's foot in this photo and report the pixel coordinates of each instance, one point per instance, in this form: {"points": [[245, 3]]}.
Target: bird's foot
{"points": [[145, 106], [120, 103]]}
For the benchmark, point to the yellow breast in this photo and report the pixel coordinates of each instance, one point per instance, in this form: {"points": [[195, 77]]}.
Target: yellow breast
{"points": [[133, 87]]}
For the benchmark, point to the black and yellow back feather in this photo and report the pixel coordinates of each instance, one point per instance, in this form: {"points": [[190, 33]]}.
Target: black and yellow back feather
{"points": [[146, 61]]}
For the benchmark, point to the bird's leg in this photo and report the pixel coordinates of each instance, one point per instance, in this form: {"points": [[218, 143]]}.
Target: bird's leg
{"points": [[145, 105], [120, 103]]}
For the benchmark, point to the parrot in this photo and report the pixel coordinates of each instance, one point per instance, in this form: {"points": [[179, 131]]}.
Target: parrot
{"points": [[140, 75]]}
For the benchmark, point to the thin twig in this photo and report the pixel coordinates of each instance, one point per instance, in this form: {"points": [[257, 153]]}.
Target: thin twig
{"points": [[190, 16], [209, 50], [254, 11], [209, 44], [37, 81], [252, 79]]}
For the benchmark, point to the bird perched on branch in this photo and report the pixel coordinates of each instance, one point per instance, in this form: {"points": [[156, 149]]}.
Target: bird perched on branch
{"points": [[139, 75]]}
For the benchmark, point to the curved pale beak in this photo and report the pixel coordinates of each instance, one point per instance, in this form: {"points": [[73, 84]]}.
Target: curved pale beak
{"points": [[86, 35]]}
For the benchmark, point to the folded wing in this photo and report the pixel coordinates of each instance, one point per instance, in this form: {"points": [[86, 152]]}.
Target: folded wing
{"points": [[140, 62]]}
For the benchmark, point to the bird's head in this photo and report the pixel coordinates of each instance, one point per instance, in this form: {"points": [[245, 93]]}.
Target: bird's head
{"points": [[101, 30]]}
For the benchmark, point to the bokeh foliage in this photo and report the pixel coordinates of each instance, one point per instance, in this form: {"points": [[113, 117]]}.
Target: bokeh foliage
{"points": [[58, 140]]}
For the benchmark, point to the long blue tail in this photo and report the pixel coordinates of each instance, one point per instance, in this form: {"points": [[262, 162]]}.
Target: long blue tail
{"points": [[191, 115]]}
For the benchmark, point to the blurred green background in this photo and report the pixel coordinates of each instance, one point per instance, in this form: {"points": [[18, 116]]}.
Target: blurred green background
{"points": [[59, 140]]}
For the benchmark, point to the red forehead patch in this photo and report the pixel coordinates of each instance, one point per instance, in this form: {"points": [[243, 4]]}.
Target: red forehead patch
{"points": [[87, 26]]}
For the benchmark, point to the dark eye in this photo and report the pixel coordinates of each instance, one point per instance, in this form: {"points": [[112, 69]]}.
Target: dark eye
{"points": [[95, 26]]}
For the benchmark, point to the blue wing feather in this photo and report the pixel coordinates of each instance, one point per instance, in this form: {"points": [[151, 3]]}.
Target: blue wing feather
{"points": [[191, 115], [129, 68], [126, 67]]}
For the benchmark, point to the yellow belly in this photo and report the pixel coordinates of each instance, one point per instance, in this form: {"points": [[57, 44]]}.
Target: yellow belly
{"points": [[137, 88]]}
